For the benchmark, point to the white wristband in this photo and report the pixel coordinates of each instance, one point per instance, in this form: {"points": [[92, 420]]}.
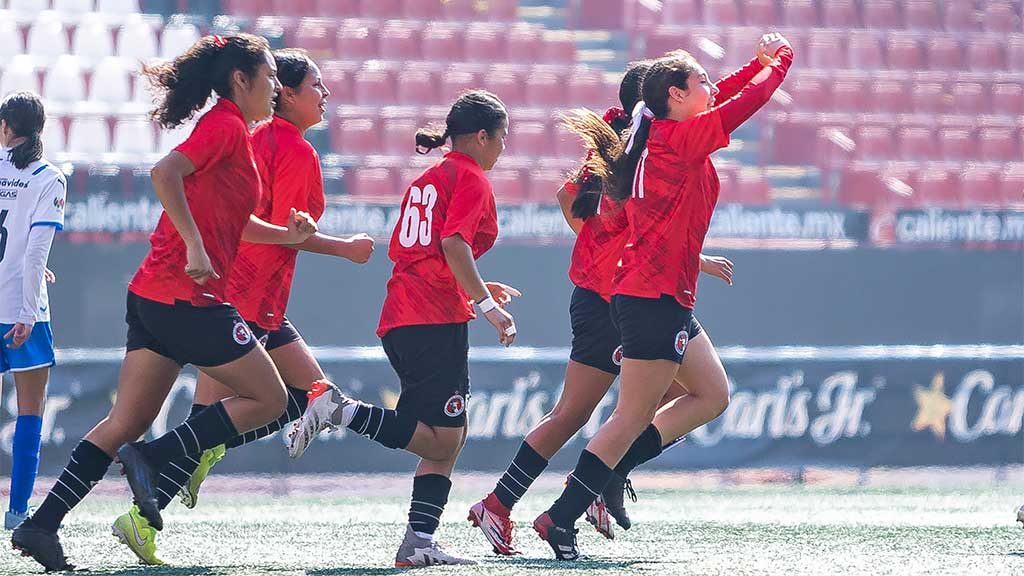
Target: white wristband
{"points": [[487, 304]]}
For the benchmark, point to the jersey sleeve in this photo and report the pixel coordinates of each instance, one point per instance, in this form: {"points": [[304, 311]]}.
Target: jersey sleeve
{"points": [[696, 138], [729, 86], [292, 184], [738, 109], [210, 141], [466, 207], [49, 210]]}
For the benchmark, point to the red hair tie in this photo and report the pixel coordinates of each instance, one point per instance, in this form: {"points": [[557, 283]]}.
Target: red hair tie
{"points": [[220, 41], [615, 113]]}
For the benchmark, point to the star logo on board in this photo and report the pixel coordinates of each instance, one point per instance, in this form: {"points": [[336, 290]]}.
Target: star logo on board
{"points": [[933, 407]]}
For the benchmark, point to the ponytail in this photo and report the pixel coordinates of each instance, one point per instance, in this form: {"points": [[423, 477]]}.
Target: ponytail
{"points": [[24, 114], [624, 166], [429, 138], [473, 111]]}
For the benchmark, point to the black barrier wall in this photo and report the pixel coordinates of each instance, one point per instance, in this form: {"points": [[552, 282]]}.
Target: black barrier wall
{"points": [[845, 410]]}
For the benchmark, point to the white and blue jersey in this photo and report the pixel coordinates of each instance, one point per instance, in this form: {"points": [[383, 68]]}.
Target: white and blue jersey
{"points": [[31, 197]]}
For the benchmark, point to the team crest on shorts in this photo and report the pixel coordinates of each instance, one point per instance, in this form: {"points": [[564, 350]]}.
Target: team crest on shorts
{"points": [[617, 356], [241, 334], [454, 406], [681, 340]]}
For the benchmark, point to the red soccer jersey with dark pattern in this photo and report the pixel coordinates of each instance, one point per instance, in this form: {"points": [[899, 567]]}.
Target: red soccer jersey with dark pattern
{"points": [[290, 170], [598, 248], [452, 197], [221, 193]]}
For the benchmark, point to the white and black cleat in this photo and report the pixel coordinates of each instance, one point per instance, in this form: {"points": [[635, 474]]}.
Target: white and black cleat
{"points": [[419, 551]]}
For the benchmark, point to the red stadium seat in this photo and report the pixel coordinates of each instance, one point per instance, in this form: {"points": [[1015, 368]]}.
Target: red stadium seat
{"points": [[839, 14], [356, 42], [868, 184], [849, 95], [922, 14], [375, 183], [1015, 52], [985, 54], [315, 35], [417, 86], [523, 44], [508, 185], [442, 42], [557, 47], [455, 81], [970, 98], [865, 51], [1008, 99], [587, 90], [904, 52], [666, 38], [810, 92], [980, 186], [721, 12], [890, 96], [249, 8], [375, 86], [295, 8], [929, 97], [463, 10], [382, 9], [681, 12], [544, 89], [399, 41], [999, 144], [944, 53], [799, 13], [826, 50], [956, 144], [507, 84], [357, 136], [962, 16], [760, 13], [529, 138], [938, 186], [503, 10], [882, 14], [336, 8], [485, 42], [750, 187], [1001, 17], [398, 136], [1013, 184], [420, 10], [917, 143], [544, 184], [874, 143], [338, 77]]}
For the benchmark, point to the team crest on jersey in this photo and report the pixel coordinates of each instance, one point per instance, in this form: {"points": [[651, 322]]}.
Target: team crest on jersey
{"points": [[681, 340], [617, 356], [455, 406], [241, 334]]}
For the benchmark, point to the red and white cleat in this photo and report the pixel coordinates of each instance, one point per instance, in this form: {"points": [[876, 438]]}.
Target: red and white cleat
{"points": [[492, 518], [597, 514]]}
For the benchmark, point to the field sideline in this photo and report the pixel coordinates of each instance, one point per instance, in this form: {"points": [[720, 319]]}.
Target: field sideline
{"points": [[753, 522]]}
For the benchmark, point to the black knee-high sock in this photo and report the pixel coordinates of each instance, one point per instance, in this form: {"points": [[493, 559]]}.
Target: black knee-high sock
{"points": [[429, 496], [210, 427], [297, 401], [87, 466], [646, 447], [521, 473], [585, 484], [391, 428], [178, 471]]}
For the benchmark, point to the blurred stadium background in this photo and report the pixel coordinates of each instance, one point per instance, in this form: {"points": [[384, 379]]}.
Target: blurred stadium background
{"points": [[874, 210]]}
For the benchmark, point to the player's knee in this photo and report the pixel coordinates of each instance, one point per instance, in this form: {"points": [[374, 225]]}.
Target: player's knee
{"points": [[567, 419], [274, 402], [446, 449], [718, 400]]}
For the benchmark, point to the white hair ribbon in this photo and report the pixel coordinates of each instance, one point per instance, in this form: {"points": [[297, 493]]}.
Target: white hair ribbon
{"points": [[639, 112]]}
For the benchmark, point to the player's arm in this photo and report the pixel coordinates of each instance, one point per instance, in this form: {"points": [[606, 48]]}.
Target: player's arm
{"points": [[300, 227], [168, 177], [717, 266], [738, 109], [566, 195], [459, 257], [37, 250], [731, 85], [357, 247]]}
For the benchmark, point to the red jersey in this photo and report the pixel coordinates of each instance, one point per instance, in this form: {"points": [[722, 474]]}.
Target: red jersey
{"points": [[453, 197], [290, 171], [599, 244], [675, 188], [221, 194]]}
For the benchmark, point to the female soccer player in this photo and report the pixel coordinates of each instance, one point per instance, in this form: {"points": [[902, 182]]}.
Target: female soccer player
{"points": [[177, 311], [600, 224], [32, 193], [448, 220], [666, 171], [261, 280]]}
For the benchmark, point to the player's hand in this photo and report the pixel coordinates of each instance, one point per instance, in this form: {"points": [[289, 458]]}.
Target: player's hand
{"points": [[49, 275], [198, 265], [506, 326], [502, 293], [718, 266], [18, 335], [769, 45], [359, 249], [300, 227]]}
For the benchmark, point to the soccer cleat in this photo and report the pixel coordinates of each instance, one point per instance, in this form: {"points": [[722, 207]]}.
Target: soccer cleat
{"points": [[135, 532], [597, 514], [142, 479], [42, 545], [14, 519], [1020, 515], [324, 412], [190, 492], [496, 525], [614, 500], [419, 551], [561, 540]]}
